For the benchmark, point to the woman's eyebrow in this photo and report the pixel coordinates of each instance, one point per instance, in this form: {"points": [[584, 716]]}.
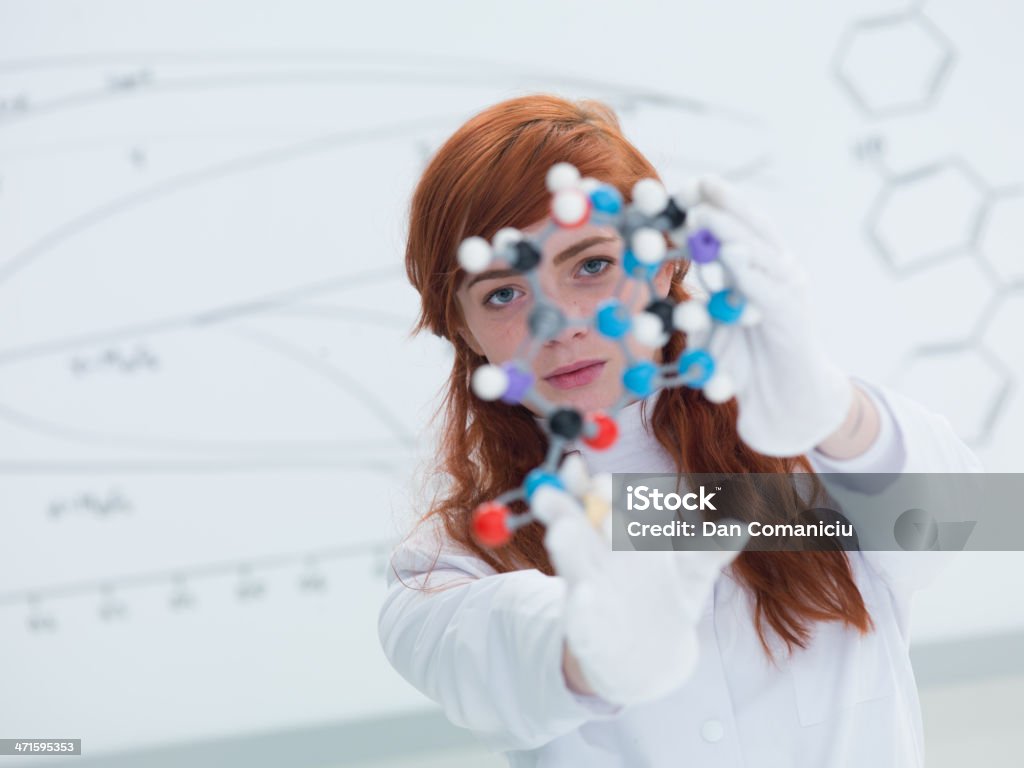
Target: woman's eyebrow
{"points": [[568, 253], [581, 246], [492, 274]]}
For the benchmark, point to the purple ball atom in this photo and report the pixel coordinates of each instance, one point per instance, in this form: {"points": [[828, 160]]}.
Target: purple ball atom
{"points": [[703, 246], [519, 383]]}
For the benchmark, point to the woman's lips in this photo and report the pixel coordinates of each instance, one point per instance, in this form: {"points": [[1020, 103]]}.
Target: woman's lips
{"points": [[579, 377]]}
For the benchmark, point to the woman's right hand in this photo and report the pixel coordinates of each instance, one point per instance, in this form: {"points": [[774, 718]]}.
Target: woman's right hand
{"points": [[630, 617]]}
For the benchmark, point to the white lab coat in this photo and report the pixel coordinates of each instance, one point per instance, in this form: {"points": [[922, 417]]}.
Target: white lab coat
{"points": [[489, 648]]}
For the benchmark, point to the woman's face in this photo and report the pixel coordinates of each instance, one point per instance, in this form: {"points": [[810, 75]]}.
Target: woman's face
{"points": [[579, 269]]}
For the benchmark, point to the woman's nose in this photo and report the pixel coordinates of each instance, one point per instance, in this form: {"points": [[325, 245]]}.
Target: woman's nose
{"points": [[572, 303], [572, 329], [564, 317]]}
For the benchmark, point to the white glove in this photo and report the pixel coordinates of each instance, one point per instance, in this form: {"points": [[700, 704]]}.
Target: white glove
{"points": [[630, 617], [790, 394]]}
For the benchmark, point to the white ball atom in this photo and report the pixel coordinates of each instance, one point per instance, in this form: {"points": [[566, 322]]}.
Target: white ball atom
{"points": [[751, 315], [712, 275], [589, 184], [574, 475], [701, 217], [570, 207], [649, 197], [648, 245], [562, 176], [691, 316], [489, 382], [648, 330], [548, 503], [719, 388], [602, 486], [506, 238], [474, 254], [688, 195]]}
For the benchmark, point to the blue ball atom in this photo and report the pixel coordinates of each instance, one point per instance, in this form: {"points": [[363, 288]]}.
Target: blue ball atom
{"points": [[726, 306], [612, 319], [639, 379], [695, 367], [537, 478], [636, 268], [606, 199]]}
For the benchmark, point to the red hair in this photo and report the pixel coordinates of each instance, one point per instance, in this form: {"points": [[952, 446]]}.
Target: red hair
{"points": [[491, 174]]}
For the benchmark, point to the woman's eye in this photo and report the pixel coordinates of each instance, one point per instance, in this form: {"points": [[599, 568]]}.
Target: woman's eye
{"points": [[595, 266], [502, 296]]}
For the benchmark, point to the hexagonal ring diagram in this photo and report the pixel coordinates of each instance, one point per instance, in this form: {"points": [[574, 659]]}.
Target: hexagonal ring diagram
{"points": [[927, 215], [893, 64]]}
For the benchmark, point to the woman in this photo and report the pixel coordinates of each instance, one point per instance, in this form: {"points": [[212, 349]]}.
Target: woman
{"points": [[552, 648]]}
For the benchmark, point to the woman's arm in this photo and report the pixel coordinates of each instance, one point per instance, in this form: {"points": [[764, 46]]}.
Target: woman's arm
{"points": [[911, 439], [573, 674], [488, 647], [869, 441], [857, 433]]}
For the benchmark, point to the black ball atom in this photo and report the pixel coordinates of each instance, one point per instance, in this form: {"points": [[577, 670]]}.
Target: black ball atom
{"points": [[567, 423], [676, 216], [527, 256], [663, 308]]}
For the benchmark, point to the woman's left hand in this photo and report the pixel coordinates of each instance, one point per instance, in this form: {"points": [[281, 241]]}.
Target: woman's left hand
{"points": [[791, 396]]}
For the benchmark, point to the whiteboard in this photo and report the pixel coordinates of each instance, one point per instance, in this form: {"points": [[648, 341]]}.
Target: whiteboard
{"points": [[210, 412]]}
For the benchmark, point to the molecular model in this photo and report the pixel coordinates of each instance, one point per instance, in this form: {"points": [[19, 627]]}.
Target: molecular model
{"points": [[643, 226]]}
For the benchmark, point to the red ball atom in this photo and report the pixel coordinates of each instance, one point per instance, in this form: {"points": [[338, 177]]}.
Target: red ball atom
{"points": [[607, 431], [490, 526], [571, 209]]}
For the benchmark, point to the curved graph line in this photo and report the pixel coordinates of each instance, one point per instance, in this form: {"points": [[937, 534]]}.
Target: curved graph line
{"points": [[173, 575], [213, 316], [333, 374], [323, 143], [238, 448], [272, 303], [241, 164], [462, 75], [346, 314], [258, 465]]}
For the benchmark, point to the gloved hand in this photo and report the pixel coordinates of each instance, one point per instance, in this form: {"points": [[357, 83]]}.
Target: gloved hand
{"points": [[630, 617], [791, 396]]}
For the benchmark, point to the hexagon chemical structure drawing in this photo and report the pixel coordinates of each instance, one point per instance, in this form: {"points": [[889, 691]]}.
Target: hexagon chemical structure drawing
{"points": [[937, 373], [646, 225], [894, 64], [941, 211], [1001, 246], [927, 215], [1001, 326]]}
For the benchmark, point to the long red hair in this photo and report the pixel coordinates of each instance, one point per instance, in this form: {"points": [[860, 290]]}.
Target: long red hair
{"points": [[491, 174]]}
